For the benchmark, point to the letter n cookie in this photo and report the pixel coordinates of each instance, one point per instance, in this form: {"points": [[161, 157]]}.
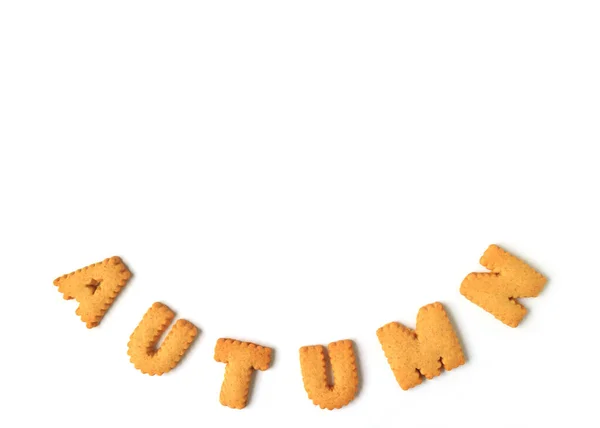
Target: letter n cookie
{"points": [[241, 359], [142, 343], [411, 354], [345, 375], [497, 290], [95, 287]]}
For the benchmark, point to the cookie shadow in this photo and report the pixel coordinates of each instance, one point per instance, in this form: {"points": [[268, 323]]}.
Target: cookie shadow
{"points": [[359, 370], [121, 295], [193, 345], [253, 378], [457, 331]]}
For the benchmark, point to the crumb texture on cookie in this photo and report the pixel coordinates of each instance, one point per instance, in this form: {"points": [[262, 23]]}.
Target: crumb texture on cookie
{"points": [[94, 287], [496, 291], [241, 359], [411, 354], [142, 344], [345, 375]]}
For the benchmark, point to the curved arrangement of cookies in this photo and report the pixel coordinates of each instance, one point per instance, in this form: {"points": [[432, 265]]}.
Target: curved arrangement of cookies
{"points": [[411, 354]]}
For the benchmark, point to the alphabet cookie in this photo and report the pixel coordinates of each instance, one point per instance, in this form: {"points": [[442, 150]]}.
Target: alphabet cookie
{"points": [[95, 287], [496, 291], [141, 346], [424, 351], [241, 359], [345, 374]]}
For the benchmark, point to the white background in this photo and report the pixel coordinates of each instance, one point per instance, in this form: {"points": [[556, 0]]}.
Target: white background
{"points": [[295, 173]]}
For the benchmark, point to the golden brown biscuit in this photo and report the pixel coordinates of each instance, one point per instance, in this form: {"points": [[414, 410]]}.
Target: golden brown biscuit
{"points": [[141, 347], [95, 287], [411, 353], [496, 291], [241, 359], [345, 374]]}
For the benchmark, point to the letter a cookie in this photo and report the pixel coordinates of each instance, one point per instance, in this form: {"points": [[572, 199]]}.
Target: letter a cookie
{"points": [[95, 287]]}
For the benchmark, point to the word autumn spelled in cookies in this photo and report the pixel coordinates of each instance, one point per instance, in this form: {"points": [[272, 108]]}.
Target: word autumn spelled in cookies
{"points": [[411, 354]]}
